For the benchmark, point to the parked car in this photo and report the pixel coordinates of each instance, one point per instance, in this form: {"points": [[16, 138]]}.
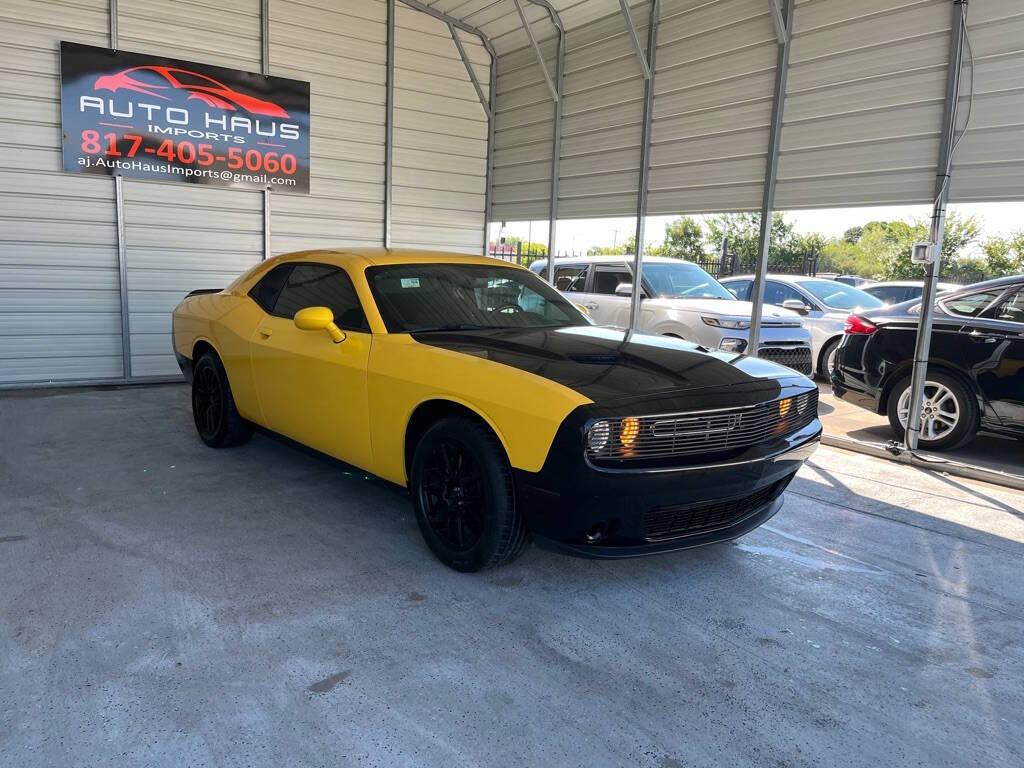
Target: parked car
{"points": [[855, 280], [898, 291], [682, 300], [975, 374], [825, 305], [503, 422]]}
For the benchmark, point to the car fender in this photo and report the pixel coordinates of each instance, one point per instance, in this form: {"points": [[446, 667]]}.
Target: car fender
{"points": [[523, 409]]}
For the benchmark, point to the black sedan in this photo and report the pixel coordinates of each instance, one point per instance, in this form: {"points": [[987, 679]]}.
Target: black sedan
{"points": [[975, 368]]}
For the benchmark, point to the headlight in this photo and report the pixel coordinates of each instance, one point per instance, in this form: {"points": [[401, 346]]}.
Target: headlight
{"points": [[720, 322], [734, 346], [597, 437]]}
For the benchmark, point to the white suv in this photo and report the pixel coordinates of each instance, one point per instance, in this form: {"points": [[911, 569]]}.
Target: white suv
{"points": [[679, 299]]}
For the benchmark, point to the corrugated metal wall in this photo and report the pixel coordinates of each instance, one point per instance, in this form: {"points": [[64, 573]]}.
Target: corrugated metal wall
{"points": [[182, 236], [990, 161], [440, 137], [339, 46], [867, 83], [59, 278], [59, 299], [712, 105]]}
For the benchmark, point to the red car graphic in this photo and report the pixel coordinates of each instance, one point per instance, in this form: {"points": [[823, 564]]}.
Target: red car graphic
{"points": [[206, 89]]}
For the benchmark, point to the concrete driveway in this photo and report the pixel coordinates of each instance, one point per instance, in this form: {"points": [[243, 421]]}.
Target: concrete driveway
{"points": [[164, 604]]}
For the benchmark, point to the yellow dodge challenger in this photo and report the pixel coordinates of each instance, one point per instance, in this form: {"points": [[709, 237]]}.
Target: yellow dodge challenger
{"points": [[496, 402]]}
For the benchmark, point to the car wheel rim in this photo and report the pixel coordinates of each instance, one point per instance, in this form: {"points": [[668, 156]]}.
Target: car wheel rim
{"points": [[206, 401], [452, 497], [830, 361], [940, 411]]}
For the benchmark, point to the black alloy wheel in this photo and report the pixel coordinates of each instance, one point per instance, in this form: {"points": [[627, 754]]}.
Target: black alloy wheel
{"points": [[461, 486], [213, 407], [452, 495]]}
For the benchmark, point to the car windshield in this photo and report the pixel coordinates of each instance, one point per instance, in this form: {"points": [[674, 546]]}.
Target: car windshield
{"points": [[839, 295], [443, 297], [683, 281]]}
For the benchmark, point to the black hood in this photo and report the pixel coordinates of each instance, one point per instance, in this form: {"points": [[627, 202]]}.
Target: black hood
{"points": [[609, 365]]}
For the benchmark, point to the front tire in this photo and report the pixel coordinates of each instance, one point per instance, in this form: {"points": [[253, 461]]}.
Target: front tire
{"points": [[827, 359], [213, 407], [949, 412], [462, 491]]}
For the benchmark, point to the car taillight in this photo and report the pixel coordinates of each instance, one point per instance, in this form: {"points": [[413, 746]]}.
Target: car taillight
{"points": [[857, 324]]}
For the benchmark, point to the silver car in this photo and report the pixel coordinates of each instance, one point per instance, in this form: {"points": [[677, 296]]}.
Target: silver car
{"points": [[679, 299], [825, 305]]}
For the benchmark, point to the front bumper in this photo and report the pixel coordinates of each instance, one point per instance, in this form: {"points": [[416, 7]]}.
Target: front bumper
{"points": [[565, 505]]}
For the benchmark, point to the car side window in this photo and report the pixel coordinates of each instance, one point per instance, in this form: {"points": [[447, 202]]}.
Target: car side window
{"points": [[740, 289], [1011, 309], [971, 305], [571, 277], [776, 293], [266, 291], [607, 279], [320, 285], [892, 294]]}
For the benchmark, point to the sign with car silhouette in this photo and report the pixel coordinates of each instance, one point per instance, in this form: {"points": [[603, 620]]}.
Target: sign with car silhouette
{"points": [[132, 114]]}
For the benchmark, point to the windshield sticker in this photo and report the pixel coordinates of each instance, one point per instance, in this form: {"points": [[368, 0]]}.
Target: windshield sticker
{"points": [[410, 282]]}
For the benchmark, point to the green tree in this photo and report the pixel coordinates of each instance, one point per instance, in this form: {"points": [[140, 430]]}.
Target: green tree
{"points": [[894, 240], [684, 239], [744, 230], [1004, 255], [627, 246]]}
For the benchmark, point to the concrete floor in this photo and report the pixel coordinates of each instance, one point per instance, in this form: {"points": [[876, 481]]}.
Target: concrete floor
{"points": [[165, 604]]}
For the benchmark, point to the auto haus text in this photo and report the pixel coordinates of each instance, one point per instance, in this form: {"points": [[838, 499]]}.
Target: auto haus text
{"points": [[181, 122]]}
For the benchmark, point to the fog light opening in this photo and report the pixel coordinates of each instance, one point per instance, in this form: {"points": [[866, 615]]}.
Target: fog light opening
{"points": [[595, 534]]}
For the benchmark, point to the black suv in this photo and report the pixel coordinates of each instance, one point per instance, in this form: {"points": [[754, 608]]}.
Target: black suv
{"points": [[975, 368]]}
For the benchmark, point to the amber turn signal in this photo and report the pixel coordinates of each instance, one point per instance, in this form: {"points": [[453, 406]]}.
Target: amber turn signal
{"points": [[628, 431]]}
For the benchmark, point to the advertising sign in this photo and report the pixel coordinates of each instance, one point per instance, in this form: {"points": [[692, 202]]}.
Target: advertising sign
{"points": [[132, 114]]}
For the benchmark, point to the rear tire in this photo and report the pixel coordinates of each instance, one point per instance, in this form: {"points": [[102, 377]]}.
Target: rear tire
{"points": [[949, 416], [462, 491], [213, 407]]}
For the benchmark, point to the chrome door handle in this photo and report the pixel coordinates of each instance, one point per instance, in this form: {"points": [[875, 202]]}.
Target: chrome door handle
{"points": [[590, 305], [981, 338]]}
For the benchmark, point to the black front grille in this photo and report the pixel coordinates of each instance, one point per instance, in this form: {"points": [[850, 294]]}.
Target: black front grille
{"points": [[704, 434], [797, 358], [688, 520]]}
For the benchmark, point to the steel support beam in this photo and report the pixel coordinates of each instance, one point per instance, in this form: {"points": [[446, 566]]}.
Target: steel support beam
{"points": [[947, 145], [781, 26], [536, 50], [484, 102], [556, 141], [389, 122], [645, 157], [265, 69], [628, 18], [770, 176], [122, 247]]}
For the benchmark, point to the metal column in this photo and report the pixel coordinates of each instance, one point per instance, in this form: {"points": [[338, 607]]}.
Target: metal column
{"points": [[556, 152], [265, 70], [645, 153], [770, 176], [938, 226], [122, 265], [389, 124]]}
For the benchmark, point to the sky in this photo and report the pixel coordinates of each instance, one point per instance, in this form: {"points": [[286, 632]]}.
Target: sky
{"points": [[577, 235]]}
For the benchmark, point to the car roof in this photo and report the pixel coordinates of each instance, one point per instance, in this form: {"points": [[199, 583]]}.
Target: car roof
{"points": [[388, 256], [615, 258], [908, 284], [776, 276]]}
